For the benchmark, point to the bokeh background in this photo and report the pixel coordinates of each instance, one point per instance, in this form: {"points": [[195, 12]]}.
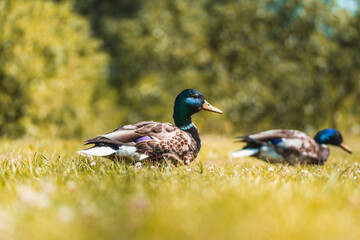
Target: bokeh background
{"points": [[75, 68]]}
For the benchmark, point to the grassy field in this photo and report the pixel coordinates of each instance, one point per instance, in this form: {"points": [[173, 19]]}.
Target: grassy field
{"points": [[48, 192]]}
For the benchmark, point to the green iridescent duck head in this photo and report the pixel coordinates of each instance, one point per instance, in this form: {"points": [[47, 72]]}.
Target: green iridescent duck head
{"points": [[187, 103], [331, 136]]}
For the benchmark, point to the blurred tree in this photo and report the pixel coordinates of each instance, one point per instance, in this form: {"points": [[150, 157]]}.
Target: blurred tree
{"points": [[267, 63], [49, 68], [291, 64]]}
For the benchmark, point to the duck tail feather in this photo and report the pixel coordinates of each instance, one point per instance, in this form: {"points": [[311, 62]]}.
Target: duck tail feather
{"points": [[97, 151], [245, 152]]}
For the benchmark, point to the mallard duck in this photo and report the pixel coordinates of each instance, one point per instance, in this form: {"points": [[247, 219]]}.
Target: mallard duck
{"points": [[291, 146], [156, 141]]}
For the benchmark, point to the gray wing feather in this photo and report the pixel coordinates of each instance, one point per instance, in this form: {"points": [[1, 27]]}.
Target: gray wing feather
{"points": [[124, 135], [273, 134]]}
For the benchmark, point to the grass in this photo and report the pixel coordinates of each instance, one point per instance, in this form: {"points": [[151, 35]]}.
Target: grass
{"points": [[48, 192]]}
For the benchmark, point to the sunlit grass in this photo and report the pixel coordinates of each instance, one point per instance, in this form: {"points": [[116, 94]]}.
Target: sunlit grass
{"points": [[48, 192]]}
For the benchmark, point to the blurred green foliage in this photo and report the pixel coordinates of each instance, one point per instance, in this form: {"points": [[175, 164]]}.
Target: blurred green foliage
{"points": [[49, 69], [266, 63]]}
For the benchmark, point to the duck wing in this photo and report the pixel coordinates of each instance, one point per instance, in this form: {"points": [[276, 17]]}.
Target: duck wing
{"points": [[124, 135], [266, 136]]}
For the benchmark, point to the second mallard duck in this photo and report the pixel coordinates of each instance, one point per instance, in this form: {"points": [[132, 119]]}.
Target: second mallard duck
{"points": [[156, 141], [291, 146]]}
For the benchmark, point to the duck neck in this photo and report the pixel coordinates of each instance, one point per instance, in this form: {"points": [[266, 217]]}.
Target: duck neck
{"points": [[182, 117], [183, 121]]}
